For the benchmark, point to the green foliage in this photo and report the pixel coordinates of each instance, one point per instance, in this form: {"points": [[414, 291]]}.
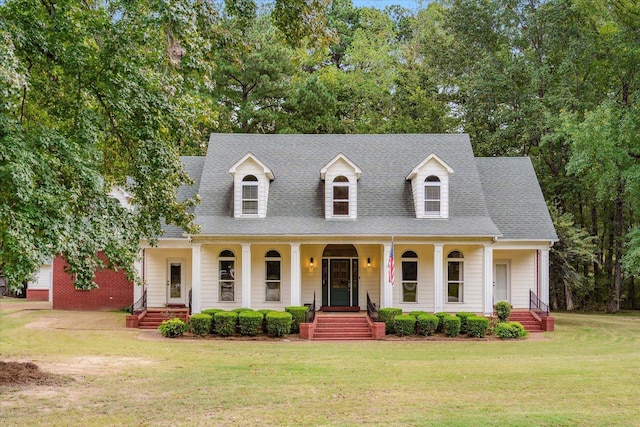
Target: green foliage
{"points": [[387, 315], [503, 310], [241, 309], [298, 314], [225, 322], [250, 322], [426, 324], [200, 324], [510, 330], [417, 313], [451, 326], [463, 315], [404, 324], [278, 323], [477, 326], [212, 312], [172, 328], [440, 316]]}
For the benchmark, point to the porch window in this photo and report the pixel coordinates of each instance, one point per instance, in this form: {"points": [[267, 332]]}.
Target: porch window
{"points": [[432, 193], [227, 274], [455, 277], [250, 195], [272, 276], [341, 196], [409, 277]]}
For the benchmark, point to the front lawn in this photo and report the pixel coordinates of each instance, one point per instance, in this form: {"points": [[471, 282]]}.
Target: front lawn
{"points": [[584, 373]]}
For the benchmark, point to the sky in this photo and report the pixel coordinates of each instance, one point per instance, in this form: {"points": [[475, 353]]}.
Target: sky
{"points": [[381, 4]]}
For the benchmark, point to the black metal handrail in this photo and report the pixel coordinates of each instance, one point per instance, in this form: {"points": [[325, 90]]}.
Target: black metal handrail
{"points": [[536, 305], [311, 313], [140, 305], [372, 310]]}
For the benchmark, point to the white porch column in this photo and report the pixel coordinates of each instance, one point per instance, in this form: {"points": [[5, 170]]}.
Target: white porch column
{"points": [[246, 275], [296, 281], [438, 277], [138, 290], [196, 262], [386, 291], [544, 276], [488, 280]]}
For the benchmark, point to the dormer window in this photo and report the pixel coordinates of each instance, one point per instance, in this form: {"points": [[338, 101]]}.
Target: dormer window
{"points": [[432, 195], [340, 196], [341, 177], [430, 187], [249, 195], [251, 179]]}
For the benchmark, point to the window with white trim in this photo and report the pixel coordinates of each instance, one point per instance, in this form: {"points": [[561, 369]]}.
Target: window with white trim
{"points": [[341, 196], [432, 195], [273, 275], [409, 277], [227, 276], [455, 277], [249, 195]]}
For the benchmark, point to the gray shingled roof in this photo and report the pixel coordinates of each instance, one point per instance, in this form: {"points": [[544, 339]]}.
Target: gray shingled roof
{"points": [[385, 202], [193, 166], [514, 198]]}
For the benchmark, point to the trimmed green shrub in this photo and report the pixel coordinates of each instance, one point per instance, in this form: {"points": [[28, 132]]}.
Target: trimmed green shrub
{"points": [[172, 328], [440, 316], [463, 315], [510, 330], [477, 326], [264, 312], [503, 310], [278, 323], [387, 315], [241, 309], [451, 326], [298, 314], [426, 324], [417, 313], [404, 324], [200, 324], [212, 312], [250, 322], [226, 322]]}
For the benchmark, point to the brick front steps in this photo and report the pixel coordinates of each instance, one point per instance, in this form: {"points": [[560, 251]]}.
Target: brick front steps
{"points": [[155, 316], [342, 327], [530, 323]]}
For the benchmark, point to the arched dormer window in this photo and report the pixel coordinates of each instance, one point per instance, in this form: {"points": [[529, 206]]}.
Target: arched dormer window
{"points": [[227, 276], [455, 277], [341, 196], [249, 195], [432, 195]]}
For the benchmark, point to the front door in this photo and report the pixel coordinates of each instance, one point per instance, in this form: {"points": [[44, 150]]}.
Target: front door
{"points": [[340, 282], [501, 282], [175, 282]]}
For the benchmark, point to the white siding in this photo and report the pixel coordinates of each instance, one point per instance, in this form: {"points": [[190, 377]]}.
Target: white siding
{"points": [[341, 167], [523, 274], [43, 278], [311, 277], [425, 278], [250, 167], [210, 275], [156, 273], [258, 286], [473, 291], [432, 167]]}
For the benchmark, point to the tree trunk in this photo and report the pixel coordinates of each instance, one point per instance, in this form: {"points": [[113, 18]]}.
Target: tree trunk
{"points": [[618, 241], [632, 292], [568, 296]]}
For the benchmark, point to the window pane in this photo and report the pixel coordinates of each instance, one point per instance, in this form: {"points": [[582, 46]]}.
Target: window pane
{"points": [[273, 291], [432, 206], [454, 292], [341, 208], [250, 192], [432, 192], [340, 193], [454, 271], [409, 291], [409, 271], [249, 207], [227, 270], [273, 270]]}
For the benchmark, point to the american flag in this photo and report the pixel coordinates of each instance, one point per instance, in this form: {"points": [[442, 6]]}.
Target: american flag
{"points": [[392, 267]]}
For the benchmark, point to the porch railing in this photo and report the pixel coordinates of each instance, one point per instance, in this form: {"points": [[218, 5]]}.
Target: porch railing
{"points": [[311, 313], [536, 305], [140, 305], [372, 310]]}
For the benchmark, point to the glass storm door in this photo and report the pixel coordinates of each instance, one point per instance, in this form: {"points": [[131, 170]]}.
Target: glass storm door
{"points": [[501, 282], [340, 282], [175, 282]]}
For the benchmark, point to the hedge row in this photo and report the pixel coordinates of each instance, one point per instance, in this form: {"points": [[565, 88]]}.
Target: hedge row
{"points": [[423, 323]]}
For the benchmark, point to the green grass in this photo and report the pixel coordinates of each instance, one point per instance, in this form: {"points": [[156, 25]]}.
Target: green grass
{"points": [[585, 373]]}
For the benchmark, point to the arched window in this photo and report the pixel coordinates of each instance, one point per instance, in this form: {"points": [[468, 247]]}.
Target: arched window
{"points": [[227, 274], [273, 274], [250, 195], [432, 186], [341, 196], [409, 277], [455, 277]]}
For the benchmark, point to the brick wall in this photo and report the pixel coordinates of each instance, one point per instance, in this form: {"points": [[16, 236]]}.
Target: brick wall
{"points": [[114, 293], [38, 294]]}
